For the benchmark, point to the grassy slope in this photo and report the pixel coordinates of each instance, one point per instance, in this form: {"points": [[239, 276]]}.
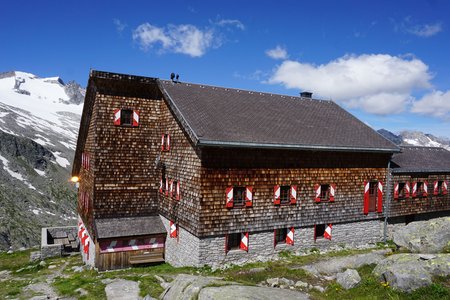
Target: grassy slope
{"points": [[23, 273]]}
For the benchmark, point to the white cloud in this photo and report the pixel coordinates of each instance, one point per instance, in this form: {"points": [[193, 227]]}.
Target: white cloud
{"points": [[425, 30], [358, 81], [119, 25], [436, 103], [277, 53], [186, 39], [228, 22]]}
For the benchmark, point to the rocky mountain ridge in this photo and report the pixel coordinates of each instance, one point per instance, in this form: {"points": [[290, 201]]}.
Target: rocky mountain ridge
{"points": [[415, 138]]}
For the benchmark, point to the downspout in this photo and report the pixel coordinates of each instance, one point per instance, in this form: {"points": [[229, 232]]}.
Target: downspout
{"points": [[388, 201]]}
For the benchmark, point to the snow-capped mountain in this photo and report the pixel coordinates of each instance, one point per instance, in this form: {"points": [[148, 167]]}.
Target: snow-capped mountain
{"points": [[416, 138], [39, 122]]}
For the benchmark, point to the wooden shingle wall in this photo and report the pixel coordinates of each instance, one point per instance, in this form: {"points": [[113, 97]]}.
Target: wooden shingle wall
{"points": [[419, 205], [182, 164], [294, 168]]}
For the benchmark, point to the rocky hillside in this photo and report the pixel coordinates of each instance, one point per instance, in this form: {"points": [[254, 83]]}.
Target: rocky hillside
{"points": [[416, 138], [39, 120]]}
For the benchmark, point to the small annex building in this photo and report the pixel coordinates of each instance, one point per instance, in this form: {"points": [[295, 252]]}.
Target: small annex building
{"points": [[201, 175]]}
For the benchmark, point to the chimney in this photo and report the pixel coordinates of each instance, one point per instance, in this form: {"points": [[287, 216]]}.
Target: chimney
{"points": [[306, 95]]}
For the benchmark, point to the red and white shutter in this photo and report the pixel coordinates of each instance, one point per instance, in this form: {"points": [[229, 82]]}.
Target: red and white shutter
{"points": [[161, 185], [380, 197], [293, 194], [135, 118], [444, 187], [88, 156], [327, 233], [332, 192], [317, 192], [244, 242], [290, 236], [117, 117], [436, 188], [83, 160], [276, 195], [173, 229], [414, 189], [396, 185], [425, 188], [407, 189], [248, 196], [178, 194], [366, 197], [229, 197], [167, 186], [162, 142], [171, 188], [168, 142]]}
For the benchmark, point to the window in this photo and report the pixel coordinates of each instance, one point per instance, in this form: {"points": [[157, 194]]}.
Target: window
{"points": [[325, 192], [165, 142], [373, 192], [439, 188], [319, 231], [239, 196], [401, 190], [285, 194], [280, 236], [126, 117], [233, 241], [419, 189]]}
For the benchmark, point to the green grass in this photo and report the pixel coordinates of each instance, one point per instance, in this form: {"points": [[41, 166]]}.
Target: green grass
{"points": [[87, 280], [15, 260]]}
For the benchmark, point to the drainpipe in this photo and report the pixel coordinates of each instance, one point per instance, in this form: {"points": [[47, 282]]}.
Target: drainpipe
{"points": [[388, 200]]}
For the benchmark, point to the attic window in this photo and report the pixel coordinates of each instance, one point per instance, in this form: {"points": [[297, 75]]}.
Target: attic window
{"points": [[126, 117], [238, 196], [285, 194], [325, 192]]}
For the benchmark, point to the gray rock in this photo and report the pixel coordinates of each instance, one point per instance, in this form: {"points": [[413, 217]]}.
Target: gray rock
{"points": [[81, 291], [42, 263], [52, 266], [148, 297], [186, 287], [348, 279], [301, 285], [120, 289], [78, 269], [430, 236], [35, 255], [408, 272], [232, 292], [256, 270], [273, 282], [319, 288], [286, 282], [10, 252]]}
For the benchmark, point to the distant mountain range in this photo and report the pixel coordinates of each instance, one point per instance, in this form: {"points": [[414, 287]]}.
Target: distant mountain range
{"points": [[415, 138], [39, 122]]}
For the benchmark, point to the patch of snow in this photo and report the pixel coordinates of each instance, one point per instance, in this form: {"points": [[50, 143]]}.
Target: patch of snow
{"points": [[14, 174], [35, 211], [2, 114], [50, 213], [412, 142], [42, 173], [62, 161], [68, 145]]}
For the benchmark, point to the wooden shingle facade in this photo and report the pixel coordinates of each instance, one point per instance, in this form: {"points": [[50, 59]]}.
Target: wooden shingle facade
{"points": [[195, 174]]}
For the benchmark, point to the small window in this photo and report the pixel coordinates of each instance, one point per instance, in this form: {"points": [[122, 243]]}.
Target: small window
{"points": [[440, 190], [285, 197], [420, 189], [126, 117], [319, 231], [234, 241], [165, 142], [238, 196], [325, 192], [373, 195], [280, 236], [401, 190]]}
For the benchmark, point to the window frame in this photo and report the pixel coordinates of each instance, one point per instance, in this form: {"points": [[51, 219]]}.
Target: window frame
{"points": [[234, 238], [401, 190], [373, 195], [285, 194], [280, 236], [239, 190], [318, 229], [124, 114]]}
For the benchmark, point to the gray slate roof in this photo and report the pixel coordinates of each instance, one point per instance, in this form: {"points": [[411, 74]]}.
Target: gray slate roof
{"points": [[230, 117], [133, 226], [421, 160]]}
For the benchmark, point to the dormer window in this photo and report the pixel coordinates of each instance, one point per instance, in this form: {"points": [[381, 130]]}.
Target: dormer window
{"points": [[126, 117]]}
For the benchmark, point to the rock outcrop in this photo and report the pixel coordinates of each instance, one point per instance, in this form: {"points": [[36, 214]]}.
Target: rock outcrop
{"points": [[348, 279]]}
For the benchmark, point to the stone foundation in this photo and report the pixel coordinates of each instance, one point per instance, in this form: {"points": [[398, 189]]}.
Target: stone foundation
{"points": [[395, 223], [51, 249]]}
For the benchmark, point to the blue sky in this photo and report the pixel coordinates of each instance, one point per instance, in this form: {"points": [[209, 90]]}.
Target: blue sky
{"points": [[387, 62]]}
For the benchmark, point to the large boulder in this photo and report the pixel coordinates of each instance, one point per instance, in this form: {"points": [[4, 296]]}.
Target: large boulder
{"points": [[348, 279], [233, 292], [424, 236], [121, 289], [408, 272]]}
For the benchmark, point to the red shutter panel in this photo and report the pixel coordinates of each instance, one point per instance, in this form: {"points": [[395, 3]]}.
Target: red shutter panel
{"points": [[425, 188], [171, 188], [396, 185], [317, 192], [229, 197], [444, 187], [290, 236], [248, 196], [293, 194], [117, 117], [82, 159], [327, 233], [407, 189], [178, 195], [162, 142], [167, 186], [276, 195], [135, 118], [436, 188], [88, 167], [414, 189], [173, 229], [366, 197], [380, 197], [244, 241], [161, 185], [168, 142], [332, 192]]}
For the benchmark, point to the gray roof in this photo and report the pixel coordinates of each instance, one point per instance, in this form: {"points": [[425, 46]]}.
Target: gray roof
{"points": [[216, 116], [421, 160], [133, 226]]}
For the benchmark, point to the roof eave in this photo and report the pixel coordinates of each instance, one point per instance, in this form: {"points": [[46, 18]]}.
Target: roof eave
{"points": [[212, 143], [416, 171]]}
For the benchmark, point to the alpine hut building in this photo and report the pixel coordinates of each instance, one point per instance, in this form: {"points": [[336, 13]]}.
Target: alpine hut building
{"points": [[201, 175]]}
